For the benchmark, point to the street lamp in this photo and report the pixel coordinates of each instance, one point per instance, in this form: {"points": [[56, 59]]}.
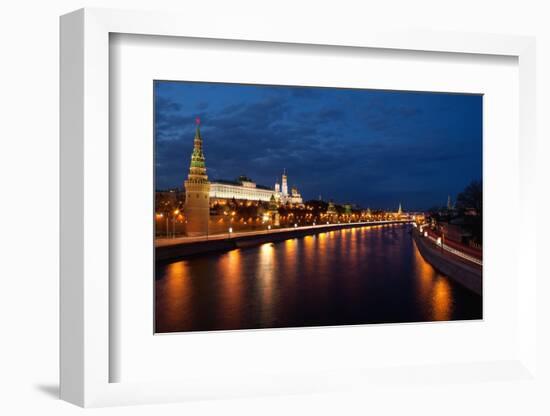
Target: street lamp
{"points": [[158, 217], [176, 212], [230, 231]]}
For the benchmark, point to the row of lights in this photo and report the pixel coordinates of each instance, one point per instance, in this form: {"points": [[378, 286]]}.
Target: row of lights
{"points": [[230, 230]]}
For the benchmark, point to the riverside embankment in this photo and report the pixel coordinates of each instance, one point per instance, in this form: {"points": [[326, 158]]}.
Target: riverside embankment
{"points": [[177, 248], [461, 270]]}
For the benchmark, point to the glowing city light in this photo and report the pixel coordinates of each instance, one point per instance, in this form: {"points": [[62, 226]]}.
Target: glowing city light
{"points": [[269, 227], [230, 230], [439, 241]]}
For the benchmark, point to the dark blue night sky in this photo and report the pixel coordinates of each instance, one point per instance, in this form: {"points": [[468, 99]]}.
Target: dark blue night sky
{"points": [[373, 148]]}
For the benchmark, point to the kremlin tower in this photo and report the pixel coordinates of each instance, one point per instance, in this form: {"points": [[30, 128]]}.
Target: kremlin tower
{"points": [[285, 185], [197, 191]]}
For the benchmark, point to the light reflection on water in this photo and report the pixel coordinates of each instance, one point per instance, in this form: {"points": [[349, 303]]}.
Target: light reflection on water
{"points": [[435, 293], [231, 287], [353, 276], [266, 275]]}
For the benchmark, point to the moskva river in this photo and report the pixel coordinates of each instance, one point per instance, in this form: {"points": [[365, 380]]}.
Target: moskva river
{"points": [[354, 276]]}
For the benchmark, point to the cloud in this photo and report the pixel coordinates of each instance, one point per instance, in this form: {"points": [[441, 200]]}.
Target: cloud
{"points": [[165, 105], [349, 145]]}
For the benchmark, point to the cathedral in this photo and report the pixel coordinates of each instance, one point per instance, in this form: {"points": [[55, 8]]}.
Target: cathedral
{"points": [[283, 196]]}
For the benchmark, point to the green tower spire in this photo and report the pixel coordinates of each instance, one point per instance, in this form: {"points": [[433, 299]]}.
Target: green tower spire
{"points": [[198, 132], [197, 157]]}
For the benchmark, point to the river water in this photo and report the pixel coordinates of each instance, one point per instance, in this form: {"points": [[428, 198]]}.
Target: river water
{"points": [[361, 275]]}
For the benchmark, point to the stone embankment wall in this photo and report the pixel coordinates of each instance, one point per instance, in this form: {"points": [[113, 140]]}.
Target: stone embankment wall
{"points": [[178, 251], [469, 276]]}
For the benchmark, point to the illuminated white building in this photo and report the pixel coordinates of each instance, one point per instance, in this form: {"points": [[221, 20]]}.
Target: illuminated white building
{"points": [[242, 188], [285, 185], [282, 195], [245, 189], [295, 197]]}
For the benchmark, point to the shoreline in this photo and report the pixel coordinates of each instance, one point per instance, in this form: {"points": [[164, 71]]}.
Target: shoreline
{"points": [[178, 250], [468, 276]]}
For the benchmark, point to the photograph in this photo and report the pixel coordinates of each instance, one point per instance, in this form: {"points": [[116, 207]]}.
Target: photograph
{"points": [[275, 208], [282, 206]]}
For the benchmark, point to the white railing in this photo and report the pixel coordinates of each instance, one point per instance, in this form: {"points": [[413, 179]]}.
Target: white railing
{"points": [[455, 251]]}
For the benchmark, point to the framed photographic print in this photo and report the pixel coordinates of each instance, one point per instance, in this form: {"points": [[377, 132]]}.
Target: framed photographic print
{"points": [[387, 243], [281, 212]]}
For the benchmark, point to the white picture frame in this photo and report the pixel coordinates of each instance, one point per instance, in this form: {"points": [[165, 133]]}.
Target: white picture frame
{"points": [[85, 217]]}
